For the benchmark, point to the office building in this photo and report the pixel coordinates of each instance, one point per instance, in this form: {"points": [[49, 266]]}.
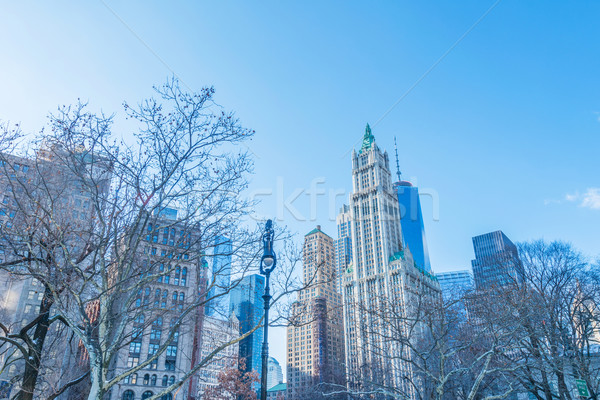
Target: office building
{"points": [[411, 219], [181, 274], [343, 244], [277, 392], [455, 284], [215, 333], [315, 340], [274, 373], [496, 262], [46, 197], [219, 278], [247, 304]]}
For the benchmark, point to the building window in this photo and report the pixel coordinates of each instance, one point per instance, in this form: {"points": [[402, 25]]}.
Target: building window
{"points": [[184, 276], [161, 270], [172, 380], [152, 349], [155, 334], [147, 394], [131, 379], [177, 275], [132, 361], [170, 365], [153, 380], [146, 379], [163, 302], [172, 351], [128, 395], [165, 380], [135, 347]]}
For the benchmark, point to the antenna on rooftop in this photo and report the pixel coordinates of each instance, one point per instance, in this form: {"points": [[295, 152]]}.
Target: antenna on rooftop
{"points": [[397, 162]]}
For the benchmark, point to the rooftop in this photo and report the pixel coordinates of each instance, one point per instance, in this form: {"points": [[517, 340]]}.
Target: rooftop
{"points": [[276, 388], [316, 230]]}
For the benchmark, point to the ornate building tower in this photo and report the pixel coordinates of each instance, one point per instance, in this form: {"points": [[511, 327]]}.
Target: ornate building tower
{"points": [[378, 281]]}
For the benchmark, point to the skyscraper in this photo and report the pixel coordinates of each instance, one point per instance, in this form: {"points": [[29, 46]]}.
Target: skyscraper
{"points": [[455, 283], [181, 274], [43, 190], [247, 305], [496, 261], [343, 244], [274, 374], [382, 274], [411, 219], [315, 338], [220, 278]]}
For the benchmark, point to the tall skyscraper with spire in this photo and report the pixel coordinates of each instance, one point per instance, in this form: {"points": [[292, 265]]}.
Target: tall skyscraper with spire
{"points": [[381, 274], [411, 218]]}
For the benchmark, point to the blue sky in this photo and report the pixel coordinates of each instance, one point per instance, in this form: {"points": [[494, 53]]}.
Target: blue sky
{"points": [[504, 131]]}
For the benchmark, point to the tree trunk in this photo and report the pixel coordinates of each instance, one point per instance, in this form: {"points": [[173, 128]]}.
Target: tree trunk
{"points": [[34, 355]]}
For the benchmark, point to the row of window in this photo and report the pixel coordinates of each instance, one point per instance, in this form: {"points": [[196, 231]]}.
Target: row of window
{"points": [[169, 237], [180, 277], [160, 299], [150, 380], [134, 360], [130, 395]]}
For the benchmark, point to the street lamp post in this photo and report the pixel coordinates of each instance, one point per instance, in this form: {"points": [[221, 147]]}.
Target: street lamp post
{"points": [[267, 265]]}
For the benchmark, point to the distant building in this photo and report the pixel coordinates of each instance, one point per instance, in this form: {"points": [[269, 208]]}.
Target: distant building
{"points": [[411, 219], [274, 373], [315, 338], [247, 304], [216, 332], [220, 278], [25, 184], [277, 392], [343, 244], [496, 261], [181, 273], [455, 283]]}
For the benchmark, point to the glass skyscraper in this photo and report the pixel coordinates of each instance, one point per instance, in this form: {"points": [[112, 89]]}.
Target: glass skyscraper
{"points": [[455, 283], [247, 305], [220, 278], [411, 219], [496, 261], [343, 245]]}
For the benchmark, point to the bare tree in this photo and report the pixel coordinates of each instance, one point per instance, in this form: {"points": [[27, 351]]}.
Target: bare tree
{"points": [[554, 305], [134, 239]]}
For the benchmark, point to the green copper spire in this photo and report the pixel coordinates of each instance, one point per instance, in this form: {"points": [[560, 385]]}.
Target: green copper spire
{"points": [[367, 139]]}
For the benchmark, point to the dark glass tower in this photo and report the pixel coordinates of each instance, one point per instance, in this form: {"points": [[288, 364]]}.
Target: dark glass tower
{"points": [[411, 219], [496, 261], [247, 305], [220, 277]]}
